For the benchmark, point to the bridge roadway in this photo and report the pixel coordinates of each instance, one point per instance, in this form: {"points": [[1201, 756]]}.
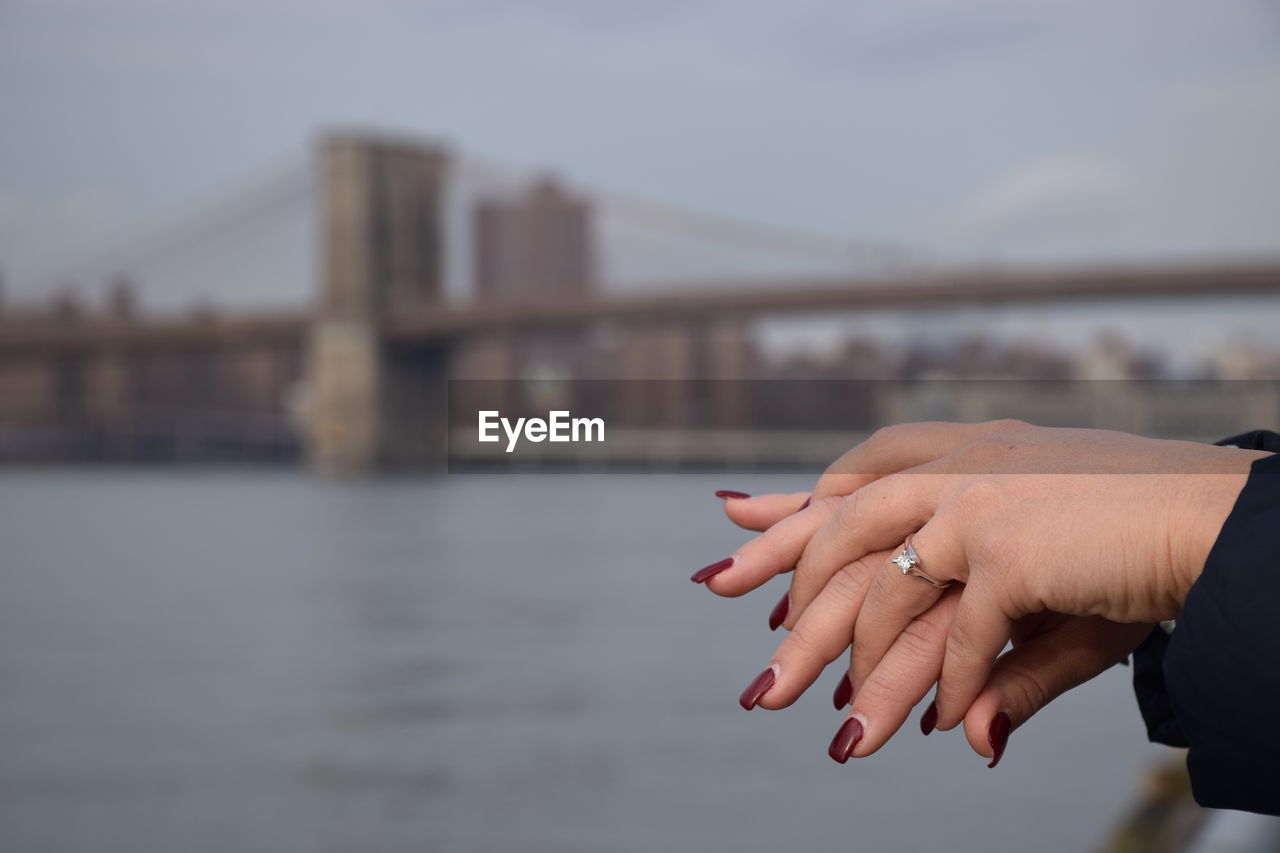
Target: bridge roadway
{"points": [[442, 323], [975, 287]]}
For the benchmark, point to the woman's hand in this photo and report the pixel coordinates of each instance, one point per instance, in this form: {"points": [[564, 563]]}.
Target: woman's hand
{"points": [[1082, 522], [1052, 653]]}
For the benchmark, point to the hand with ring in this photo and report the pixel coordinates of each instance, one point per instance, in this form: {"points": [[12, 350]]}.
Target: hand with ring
{"points": [[1069, 543]]}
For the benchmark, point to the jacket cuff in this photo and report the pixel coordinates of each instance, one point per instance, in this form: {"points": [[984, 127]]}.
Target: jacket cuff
{"points": [[1148, 659], [1153, 696], [1220, 663]]}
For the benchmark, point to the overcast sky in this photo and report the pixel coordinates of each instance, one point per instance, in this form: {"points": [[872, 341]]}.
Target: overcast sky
{"points": [[986, 128]]}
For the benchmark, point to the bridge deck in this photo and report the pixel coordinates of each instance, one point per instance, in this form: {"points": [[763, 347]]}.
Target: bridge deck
{"points": [[970, 287], [974, 287]]}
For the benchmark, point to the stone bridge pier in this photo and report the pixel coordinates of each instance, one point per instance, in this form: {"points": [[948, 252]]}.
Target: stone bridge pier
{"points": [[371, 403]]}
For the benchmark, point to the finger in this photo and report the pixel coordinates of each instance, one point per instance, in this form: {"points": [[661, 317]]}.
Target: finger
{"points": [[978, 633], [874, 518], [771, 553], [819, 638], [897, 448], [903, 676], [896, 597], [1037, 671], [764, 511]]}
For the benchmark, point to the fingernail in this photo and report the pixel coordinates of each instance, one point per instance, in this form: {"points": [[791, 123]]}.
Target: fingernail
{"points": [[730, 493], [847, 737], [929, 721], [779, 613], [844, 692], [758, 687], [806, 503], [998, 736], [706, 573]]}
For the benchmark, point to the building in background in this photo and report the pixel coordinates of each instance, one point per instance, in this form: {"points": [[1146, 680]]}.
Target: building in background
{"points": [[533, 246]]}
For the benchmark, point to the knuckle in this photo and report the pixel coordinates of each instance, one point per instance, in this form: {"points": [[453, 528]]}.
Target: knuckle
{"points": [[961, 646], [983, 494], [887, 586], [878, 589], [1007, 425], [800, 643], [849, 582], [879, 689], [991, 553], [847, 463], [1024, 686], [1001, 441], [882, 436], [847, 514], [987, 452], [814, 647], [921, 639], [867, 567], [831, 504]]}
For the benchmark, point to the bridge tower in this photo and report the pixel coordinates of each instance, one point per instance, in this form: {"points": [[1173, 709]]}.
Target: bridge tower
{"points": [[373, 404]]}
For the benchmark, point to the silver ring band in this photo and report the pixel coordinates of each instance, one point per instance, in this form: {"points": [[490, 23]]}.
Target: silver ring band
{"points": [[909, 562]]}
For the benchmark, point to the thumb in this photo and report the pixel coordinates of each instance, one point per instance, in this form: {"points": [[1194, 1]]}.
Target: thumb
{"points": [[1066, 652]]}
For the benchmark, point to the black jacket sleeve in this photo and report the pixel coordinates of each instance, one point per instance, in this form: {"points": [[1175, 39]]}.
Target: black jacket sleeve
{"points": [[1213, 684]]}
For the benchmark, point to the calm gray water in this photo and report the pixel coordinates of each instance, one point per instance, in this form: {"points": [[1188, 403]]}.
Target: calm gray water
{"points": [[196, 661]]}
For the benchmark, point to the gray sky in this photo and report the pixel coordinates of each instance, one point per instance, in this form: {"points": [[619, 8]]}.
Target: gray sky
{"points": [[989, 128]]}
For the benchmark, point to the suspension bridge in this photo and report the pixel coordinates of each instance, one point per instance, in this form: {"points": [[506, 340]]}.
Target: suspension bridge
{"points": [[322, 308]]}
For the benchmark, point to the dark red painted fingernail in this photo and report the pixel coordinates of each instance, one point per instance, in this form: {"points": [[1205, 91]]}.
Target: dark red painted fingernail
{"points": [[706, 573], [780, 611], [847, 737], [757, 688], [730, 493], [806, 503], [929, 721], [844, 692], [998, 736]]}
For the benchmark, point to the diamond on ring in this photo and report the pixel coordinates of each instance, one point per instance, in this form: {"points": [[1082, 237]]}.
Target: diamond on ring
{"points": [[907, 559]]}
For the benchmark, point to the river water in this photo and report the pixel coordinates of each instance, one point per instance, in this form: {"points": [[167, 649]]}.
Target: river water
{"points": [[266, 661]]}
